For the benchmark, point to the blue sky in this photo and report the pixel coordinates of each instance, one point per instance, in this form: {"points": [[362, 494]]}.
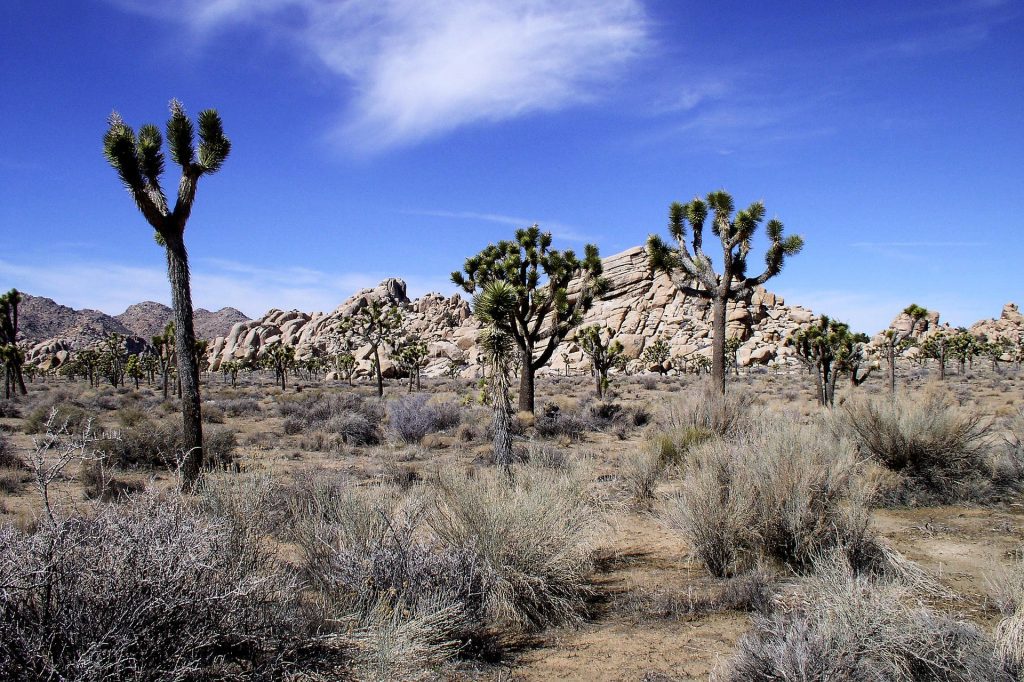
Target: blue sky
{"points": [[396, 137]]}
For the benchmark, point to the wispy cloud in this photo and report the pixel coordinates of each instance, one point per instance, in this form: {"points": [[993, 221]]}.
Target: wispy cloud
{"points": [[557, 229], [420, 68], [215, 284]]}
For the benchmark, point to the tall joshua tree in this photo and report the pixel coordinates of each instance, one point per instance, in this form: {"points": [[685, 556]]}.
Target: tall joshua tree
{"points": [[604, 352], [830, 348], [139, 162], [542, 308], [892, 339], [11, 356], [375, 324], [495, 302], [691, 269]]}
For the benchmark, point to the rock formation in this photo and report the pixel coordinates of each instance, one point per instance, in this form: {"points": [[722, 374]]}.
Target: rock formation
{"points": [[1009, 326], [637, 308]]}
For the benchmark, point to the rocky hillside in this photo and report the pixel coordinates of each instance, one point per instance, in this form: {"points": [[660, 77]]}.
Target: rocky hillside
{"points": [[41, 319], [147, 319], [637, 308]]}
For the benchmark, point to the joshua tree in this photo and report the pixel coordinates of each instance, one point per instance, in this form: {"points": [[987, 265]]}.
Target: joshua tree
{"points": [[492, 306], [655, 355], [163, 345], [133, 369], [544, 311], [411, 355], [691, 269], [732, 349], [604, 353], [281, 358], [374, 324], [112, 359], [345, 365], [139, 162], [12, 356], [936, 347], [830, 349], [892, 339]]}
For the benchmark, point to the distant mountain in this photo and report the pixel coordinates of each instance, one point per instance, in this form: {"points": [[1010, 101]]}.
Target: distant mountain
{"points": [[41, 319]]}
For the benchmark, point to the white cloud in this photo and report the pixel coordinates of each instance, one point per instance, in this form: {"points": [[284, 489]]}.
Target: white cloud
{"points": [[422, 68], [558, 230], [215, 284]]}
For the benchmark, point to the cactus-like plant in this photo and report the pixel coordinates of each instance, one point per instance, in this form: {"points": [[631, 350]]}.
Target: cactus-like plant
{"points": [[891, 340], [604, 352], [656, 354], [830, 348], [544, 312], [410, 353], [936, 347], [732, 349], [11, 355], [139, 162], [281, 359], [375, 324], [492, 306], [691, 269]]}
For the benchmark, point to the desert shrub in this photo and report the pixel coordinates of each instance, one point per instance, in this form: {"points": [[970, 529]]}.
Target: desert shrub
{"points": [[620, 420], [9, 460], [1009, 634], [554, 422], [99, 483], [543, 455], [940, 449], [149, 590], [707, 410], [414, 416], [293, 425], [750, 592], [150, 446], [640, 473], [784, 491], [130, 416], [241, 407], [9, 409], [850, 627], [349, 415], [530, 537], [213, 414], [74, 417]]}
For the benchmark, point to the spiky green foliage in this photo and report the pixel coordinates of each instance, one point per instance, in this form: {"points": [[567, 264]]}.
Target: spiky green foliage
{"points": [[936, 347], [495, 302], [544, 311], [11, 356], [604, 352], [656, 354], [411, 354], [691, 268], [281, 359], [830, 348], [732, 348], [139, 162], [375, 324]]}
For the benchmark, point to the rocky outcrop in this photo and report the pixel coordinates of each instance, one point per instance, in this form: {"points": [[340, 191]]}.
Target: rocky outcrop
{"points": [[637, 308], [1009, 326]]}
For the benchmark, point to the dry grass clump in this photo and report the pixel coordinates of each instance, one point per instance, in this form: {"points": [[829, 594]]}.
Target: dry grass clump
{"points": [[706, 410], [784, 491], [412, 417], [750, 592], [641, 472], [146, 590], [844, 626], [356, 420], [554, 422], [74, 416], [150, 446], [1009, 632], [941, 450], [530, 537]]}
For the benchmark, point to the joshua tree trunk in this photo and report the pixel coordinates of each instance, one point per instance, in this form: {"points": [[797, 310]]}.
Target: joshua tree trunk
{"points": [[380, 374], [526, 379], [185, 338], [599, 386], [718, 340]]}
